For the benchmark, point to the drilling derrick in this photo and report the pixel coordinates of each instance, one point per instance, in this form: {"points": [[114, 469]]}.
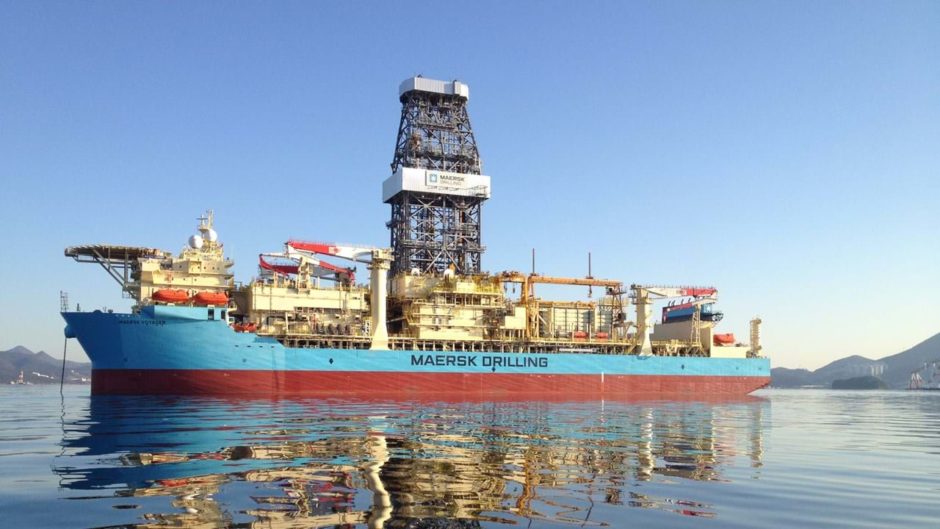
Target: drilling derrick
{"points": [[436, 189]]}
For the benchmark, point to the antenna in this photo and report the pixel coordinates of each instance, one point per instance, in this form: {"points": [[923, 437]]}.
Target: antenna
{"points": [[589, 276]]}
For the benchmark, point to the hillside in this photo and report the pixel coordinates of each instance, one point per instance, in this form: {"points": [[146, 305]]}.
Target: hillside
{"points": [[894, 370], [898, 367], [39, 368]]}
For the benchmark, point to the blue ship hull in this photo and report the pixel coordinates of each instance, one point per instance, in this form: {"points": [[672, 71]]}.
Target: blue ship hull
{"points": [[190, 350]]}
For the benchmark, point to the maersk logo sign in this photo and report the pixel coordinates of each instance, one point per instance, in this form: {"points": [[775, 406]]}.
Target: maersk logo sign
{"points": [[446, 179]]}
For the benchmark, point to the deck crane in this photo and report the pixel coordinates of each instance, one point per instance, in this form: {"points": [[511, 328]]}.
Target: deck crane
{"points": [[349, 252], [644, 294], [379, 261], [930, 370], [305, 265]]}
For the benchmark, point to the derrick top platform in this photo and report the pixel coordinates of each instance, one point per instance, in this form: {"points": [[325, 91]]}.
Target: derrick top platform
{"points": [[434, 86]]}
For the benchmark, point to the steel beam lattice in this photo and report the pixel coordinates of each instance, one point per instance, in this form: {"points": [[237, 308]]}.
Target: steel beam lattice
{"points": [[435, 133], [432, 232]]}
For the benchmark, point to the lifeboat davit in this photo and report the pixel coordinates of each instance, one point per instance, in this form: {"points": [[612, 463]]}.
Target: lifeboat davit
{"points": [[210, 298], [168, 295], [723, 339]]}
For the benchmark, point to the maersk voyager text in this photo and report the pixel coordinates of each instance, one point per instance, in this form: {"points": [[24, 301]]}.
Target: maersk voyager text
{"points": [[429, 321]]}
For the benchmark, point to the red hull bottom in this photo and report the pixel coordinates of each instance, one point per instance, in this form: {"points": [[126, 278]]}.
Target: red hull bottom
{"points": [[316, 383]]}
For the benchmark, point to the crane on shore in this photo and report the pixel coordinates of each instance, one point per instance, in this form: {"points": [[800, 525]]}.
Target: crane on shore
{"points": [[930, 380]]}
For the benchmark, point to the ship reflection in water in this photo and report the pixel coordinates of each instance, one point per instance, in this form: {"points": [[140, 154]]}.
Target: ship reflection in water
{"points": [[306, 463]]}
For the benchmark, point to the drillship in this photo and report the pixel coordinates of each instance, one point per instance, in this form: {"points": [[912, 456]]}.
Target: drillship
{"points": [[429, 321]]}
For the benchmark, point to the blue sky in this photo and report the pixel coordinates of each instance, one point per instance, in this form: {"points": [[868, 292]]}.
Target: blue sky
{"points": [[786, 152]]}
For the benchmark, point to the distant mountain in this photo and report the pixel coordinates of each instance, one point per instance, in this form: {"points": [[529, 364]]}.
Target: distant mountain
{"points": [[894, 370], [39, 368], [900, 366], [783, 377], [846, 368]]}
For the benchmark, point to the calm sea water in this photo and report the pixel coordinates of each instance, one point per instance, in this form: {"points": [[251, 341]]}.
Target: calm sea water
{"points": [[783, 459]]}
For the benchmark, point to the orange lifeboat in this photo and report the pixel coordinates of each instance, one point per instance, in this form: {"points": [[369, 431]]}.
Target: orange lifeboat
{"points": [[723, 339], [579, 335], [246, 327], [210, 298], [168, 295]]}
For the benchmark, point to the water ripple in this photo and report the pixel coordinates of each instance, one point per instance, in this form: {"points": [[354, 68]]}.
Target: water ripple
{"points": [[807, 458]]}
